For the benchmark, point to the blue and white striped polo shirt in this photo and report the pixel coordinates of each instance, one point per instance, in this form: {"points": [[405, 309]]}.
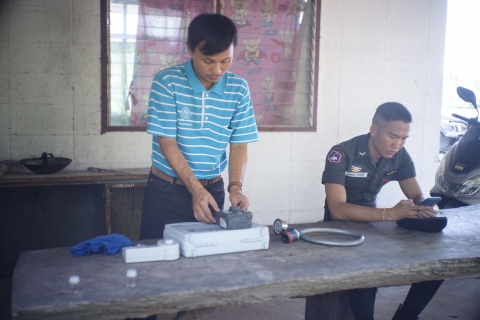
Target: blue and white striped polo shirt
{"points": [[203, 122]]}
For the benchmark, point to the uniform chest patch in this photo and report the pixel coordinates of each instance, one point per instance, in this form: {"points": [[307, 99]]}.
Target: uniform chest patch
{"points": [[355, 168], [334, 156]]}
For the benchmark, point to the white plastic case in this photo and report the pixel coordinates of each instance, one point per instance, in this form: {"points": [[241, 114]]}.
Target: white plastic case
{"points": [[201, 239], [164, 250]]}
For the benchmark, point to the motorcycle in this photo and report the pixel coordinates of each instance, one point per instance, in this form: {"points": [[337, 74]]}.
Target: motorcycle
{"points": [[457, 180], [450, 132]]}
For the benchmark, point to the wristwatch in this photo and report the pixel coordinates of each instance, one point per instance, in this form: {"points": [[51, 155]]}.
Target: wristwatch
{"points": [[235, 183]]}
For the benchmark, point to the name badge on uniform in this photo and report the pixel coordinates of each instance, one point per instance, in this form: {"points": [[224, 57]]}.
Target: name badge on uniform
{"points": [[356, 174]]}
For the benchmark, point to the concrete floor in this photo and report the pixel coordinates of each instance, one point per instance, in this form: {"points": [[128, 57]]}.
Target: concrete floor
{"points": [[455, 300]]}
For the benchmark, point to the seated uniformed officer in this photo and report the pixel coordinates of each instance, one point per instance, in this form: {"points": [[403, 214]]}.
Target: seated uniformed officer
{"points": [[355, 172]]}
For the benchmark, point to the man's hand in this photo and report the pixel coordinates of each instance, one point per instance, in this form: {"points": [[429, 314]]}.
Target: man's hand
{"points": [[201, 202], [201, 198], [411, 189], [406, 209], [237, 198], [427, 212]]}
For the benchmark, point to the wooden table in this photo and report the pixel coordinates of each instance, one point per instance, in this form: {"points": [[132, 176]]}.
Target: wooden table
{"points": [[28, 179], [389, 256], [110, 179]]}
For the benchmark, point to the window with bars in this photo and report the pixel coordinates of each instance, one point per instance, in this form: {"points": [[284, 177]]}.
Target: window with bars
{"points": [[276, 54]]}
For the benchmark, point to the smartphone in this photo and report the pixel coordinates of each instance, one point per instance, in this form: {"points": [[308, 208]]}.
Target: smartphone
{"points": [[430, 202]]}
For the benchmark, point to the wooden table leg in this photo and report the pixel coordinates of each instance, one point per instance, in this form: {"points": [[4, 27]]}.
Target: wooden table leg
{"points": [[328, 306]]}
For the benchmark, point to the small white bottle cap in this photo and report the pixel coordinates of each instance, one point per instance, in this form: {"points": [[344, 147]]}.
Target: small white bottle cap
{"points": [[131, 273], [168, 241], [74, 279]]}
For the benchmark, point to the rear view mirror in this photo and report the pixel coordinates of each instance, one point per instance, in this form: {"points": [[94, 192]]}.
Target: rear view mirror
{"points": [[467, 95]]}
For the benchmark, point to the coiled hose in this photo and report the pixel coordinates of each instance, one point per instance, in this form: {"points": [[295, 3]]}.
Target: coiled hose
{"points": [[294, 234]]}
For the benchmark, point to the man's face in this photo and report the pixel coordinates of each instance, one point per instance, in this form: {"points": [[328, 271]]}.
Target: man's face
{"points": [[388, 138], [209, 69]]}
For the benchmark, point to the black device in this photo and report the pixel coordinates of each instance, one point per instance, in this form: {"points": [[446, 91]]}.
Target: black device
{"points": [[430, 201], [432, 224], [233, 218]]}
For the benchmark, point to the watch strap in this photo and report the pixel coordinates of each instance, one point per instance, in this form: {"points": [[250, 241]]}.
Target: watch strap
{"points": [[234, 183]]}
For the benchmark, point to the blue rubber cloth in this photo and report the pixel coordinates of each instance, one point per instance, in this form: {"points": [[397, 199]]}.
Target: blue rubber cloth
{"points": [[109, 244]]}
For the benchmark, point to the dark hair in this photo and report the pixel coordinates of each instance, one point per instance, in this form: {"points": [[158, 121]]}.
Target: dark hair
{"points": [[393, 111], [214, 32]]}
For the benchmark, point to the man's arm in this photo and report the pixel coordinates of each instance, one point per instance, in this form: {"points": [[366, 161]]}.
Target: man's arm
{"points": [[201, 198], [237, 164], [341, 210], [412, 190]]}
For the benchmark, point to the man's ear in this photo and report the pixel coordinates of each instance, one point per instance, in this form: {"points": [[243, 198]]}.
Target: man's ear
{"points": [[190, 51], [373, 129]]}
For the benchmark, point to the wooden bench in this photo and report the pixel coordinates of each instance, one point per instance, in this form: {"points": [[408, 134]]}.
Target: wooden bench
{"points": [[389, 256]]}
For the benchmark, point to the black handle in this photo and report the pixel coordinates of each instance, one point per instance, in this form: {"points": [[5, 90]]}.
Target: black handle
{"points": [[45, 157], [460, 117]]}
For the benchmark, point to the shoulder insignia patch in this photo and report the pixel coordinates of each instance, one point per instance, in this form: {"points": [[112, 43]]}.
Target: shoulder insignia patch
{"points": [[335, 155], [391, 172]]}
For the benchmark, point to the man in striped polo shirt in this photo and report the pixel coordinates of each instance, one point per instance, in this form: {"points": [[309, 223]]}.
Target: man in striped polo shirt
{"points": [[195, 110]]}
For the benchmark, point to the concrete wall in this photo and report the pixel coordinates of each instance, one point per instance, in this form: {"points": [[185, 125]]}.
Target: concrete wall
{"points": [[371, 51]]}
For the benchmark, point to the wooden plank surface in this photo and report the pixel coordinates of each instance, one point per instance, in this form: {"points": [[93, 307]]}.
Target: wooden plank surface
{"points": [[390, 255], [27, 178]]}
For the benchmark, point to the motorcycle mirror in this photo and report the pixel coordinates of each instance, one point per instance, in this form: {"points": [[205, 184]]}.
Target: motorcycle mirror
{"points": [[467, 95]]}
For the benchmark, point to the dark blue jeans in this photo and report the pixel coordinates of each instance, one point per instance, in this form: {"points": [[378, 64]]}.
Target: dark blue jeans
{"points": [[166, 203]]}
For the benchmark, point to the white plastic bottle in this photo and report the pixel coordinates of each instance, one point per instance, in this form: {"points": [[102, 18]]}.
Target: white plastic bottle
{"points": [[131, 278], [74, 284]]}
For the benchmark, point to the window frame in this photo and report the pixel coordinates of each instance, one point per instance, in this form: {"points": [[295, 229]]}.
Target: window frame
{"points": [[104, 61]]}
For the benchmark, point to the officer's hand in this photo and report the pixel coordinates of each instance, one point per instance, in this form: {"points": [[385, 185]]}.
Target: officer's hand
{"points": [[237, 198], [405, 209], [201, 199], [427, 212]]}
